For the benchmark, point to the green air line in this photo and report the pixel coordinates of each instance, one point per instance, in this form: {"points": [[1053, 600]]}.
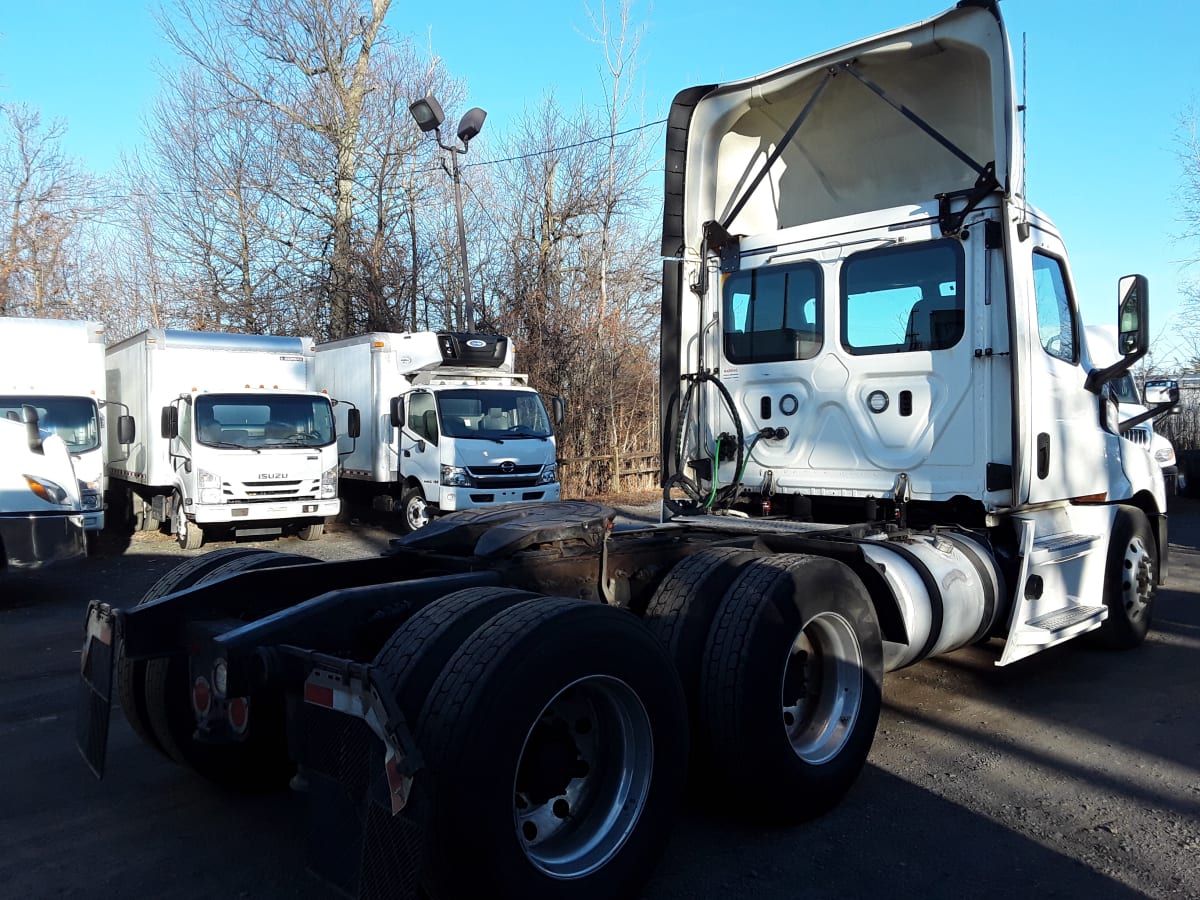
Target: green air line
{"points": [[716, 461]]}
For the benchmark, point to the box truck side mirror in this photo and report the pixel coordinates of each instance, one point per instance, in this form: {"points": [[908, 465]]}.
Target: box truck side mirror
{"points": [[397, 412], [558, 409], [126, 430], [353, 422], [33, 436], [170, 422]]}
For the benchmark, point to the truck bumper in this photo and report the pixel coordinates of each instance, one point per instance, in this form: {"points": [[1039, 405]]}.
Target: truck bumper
{"points": [[452, 499], [93, 521], [235, 513], [31, 540]]}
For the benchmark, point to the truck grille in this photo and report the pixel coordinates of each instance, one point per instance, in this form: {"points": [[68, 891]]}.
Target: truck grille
{"points": [[1137, 435], [505, 476], [265, 491]]}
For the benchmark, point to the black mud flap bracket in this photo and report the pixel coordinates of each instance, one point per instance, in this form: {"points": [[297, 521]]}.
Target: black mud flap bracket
{"points": [[94, 706], [349, 688]]}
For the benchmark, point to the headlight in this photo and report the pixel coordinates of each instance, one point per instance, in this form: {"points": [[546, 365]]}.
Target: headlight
{"points": [[549, 474], [89, 494], [1165, 456], [329, 480], [48, 490], [455, 476], [209, 484]]}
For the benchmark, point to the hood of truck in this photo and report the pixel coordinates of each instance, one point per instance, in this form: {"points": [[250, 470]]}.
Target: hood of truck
{"points": [[18, 460], [856, 151]]}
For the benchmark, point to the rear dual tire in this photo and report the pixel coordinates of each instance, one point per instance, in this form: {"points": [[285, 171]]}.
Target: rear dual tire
{"points": [[555, 740]]}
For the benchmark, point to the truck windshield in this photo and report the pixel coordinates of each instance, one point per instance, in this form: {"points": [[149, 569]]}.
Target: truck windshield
{"points": [[74, 419], [263, 420], [489, 413]]}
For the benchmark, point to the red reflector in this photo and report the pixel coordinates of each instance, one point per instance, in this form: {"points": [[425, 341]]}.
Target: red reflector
{"points": [[318, 695], [201, 696], [238, 713]]}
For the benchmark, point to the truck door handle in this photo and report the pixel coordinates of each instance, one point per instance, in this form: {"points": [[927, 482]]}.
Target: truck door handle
{"points": [[1043, 455]]}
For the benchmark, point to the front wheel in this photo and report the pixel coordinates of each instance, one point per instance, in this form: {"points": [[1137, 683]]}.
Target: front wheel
{"points": [[1130, 583], [311, 532], [556, 739], [414, 510], [188, 535]]}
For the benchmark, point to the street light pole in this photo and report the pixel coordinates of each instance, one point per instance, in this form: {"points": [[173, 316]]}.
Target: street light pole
{"points": [[429, 117]]}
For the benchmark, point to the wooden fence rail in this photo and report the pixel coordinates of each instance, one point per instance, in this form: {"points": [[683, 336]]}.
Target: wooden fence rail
{"points": [[611, 473]]}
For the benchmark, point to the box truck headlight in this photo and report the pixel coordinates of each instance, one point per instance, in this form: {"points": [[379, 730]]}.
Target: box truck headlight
{"points": [[48, 490], [329, 482], [455, 476], [549, 474], [209, 484], [1165, 456]]}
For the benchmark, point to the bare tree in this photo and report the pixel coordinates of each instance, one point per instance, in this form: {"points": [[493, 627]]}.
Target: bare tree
{"points": [[306, 65], [49, 200]]}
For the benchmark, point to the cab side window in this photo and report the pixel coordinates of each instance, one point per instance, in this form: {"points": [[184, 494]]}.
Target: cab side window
{"points": [[1055, 312], [422, 416]]}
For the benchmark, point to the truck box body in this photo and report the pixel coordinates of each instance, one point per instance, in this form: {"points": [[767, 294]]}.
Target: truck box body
{"points": [[58, 367], [474, 433], [269, 455], [41, 517]]}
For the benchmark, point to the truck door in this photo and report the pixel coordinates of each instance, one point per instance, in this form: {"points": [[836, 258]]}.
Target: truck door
{"points": [[419, 443], [1062, 446]]}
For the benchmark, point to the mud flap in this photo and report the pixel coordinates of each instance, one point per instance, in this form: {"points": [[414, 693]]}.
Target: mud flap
{"points": [[94, 707]]}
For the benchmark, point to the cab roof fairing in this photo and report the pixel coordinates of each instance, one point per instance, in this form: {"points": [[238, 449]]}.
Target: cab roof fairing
{"points": [[855, 153]]}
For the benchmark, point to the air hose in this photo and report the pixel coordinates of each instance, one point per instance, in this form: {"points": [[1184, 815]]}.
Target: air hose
{"points": [[718, 498]]}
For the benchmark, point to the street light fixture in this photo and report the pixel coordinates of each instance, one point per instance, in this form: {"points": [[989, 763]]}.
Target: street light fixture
{"points": [[428, 115]]}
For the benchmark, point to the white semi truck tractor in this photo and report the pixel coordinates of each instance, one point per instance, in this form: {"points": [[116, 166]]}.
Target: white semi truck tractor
{"points": [[230, 440], [448, 424], [884, 440], [41, 504]]}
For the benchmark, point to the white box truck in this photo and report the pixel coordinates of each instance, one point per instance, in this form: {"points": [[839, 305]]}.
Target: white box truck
{"points": [[447, 426], [41, 510], [239, 443], [57, 367]]}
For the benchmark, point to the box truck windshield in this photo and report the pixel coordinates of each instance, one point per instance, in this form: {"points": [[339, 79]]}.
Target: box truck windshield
{"points": [[263, 420], [74, 419], [490, 414]]}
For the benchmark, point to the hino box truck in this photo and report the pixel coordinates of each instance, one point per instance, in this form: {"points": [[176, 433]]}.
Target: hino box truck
{"points": [[41, 504], [232, 441], [448, 425], [885, 438], [57, 367]]}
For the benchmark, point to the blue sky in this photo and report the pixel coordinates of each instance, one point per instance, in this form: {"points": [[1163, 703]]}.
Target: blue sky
{"points": [[1108, 84]]}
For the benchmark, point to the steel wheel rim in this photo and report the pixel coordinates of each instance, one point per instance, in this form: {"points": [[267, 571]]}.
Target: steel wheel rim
{"points": [[417, 513], [822, 688], [573, 823], [1137, 579]]}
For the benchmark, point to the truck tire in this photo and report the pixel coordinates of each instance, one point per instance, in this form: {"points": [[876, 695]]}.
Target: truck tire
{"points": [[131, 674], [311, 532], [791, 686], [1129, 582], [417, 651], [414, 510], [680, 614], [556, 742], [260, 761], [188, 535]]}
